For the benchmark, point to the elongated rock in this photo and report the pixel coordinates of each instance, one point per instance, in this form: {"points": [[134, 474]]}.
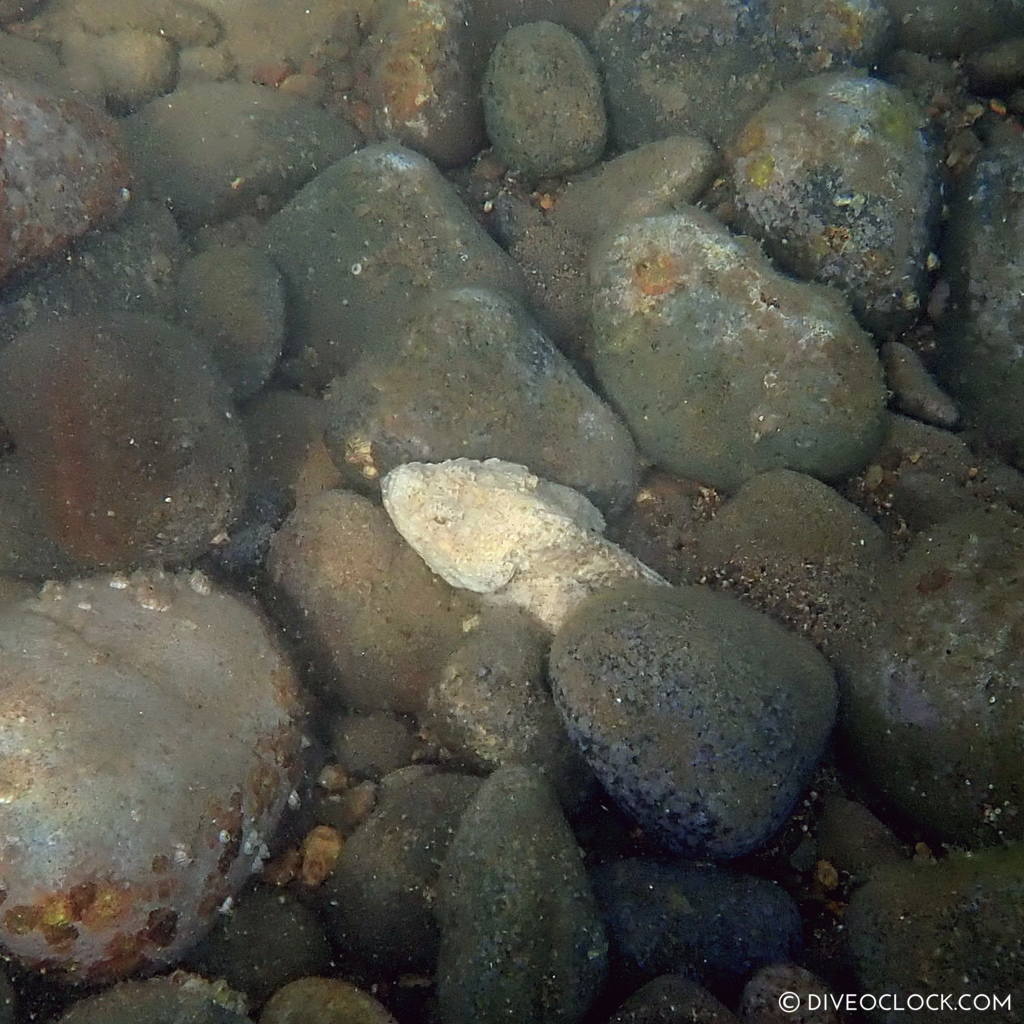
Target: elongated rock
{"points": [[62, 172]]}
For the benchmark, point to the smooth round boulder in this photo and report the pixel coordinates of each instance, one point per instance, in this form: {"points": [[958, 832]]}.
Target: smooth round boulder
{"points": [[129, 435], [216, 149], [148, 745], [542, 101], [379, 903], [701, 717], [372, 618], [232, 296], [173, 999], [698, 920], [472, 376], [521, 936], [323, 1001]]}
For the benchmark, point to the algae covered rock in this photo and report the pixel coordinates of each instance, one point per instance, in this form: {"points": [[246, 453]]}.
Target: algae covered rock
{"points": [[323, 1001], [980, 340], [492, 705], [953, 927], [521, 937], [542, 101], [173, 999], [365, 241], [798, 551], [839, 179], [704, 66], [641, 182], [722, 367]]}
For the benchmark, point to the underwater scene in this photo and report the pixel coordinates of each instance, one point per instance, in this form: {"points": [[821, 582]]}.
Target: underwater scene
{"points": [[511, 511]]}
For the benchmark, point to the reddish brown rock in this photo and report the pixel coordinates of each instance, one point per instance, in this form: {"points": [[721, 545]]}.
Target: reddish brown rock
{"points": [[128, 434], [418, 72], [62, 172]]}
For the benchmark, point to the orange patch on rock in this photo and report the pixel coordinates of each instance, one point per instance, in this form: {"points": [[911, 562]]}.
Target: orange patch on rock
{"points": [[657, 274]]}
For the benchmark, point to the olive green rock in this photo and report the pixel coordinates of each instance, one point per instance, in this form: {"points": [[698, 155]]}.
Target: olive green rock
{"points": [[542, 101], [953, 927], [472, 376], [933, 700], [721, 366], [365, 241], [521, 938]]}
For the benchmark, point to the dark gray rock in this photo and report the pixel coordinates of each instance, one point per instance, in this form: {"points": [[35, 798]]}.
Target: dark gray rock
{"points": [[268, 939], [379, 902], [670, 999], [922, 475], [129, 268], [954, 927], [762, 1000], [701, 717], [703, 922], [980, 342], [368, 746], [951, 27]]}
